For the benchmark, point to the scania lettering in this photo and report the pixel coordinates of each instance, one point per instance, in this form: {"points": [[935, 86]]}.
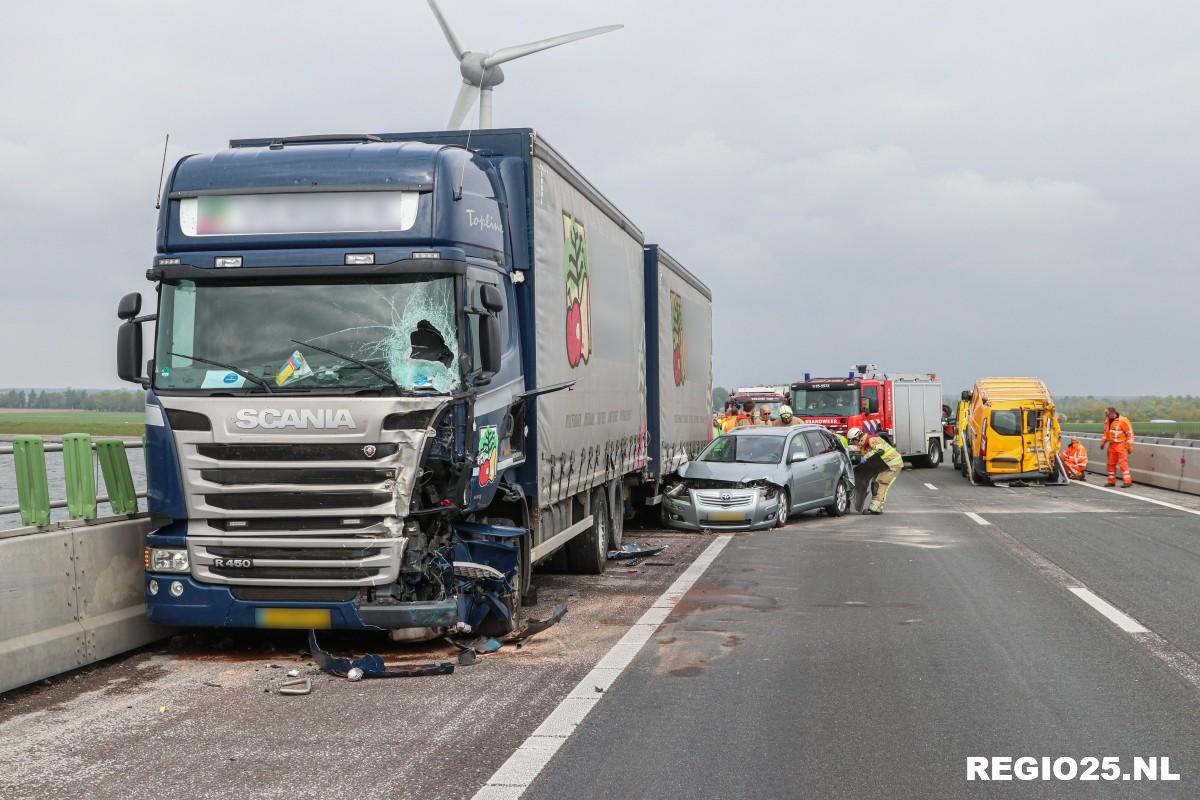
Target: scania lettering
{"points": [[390, 374], [293, 418]]}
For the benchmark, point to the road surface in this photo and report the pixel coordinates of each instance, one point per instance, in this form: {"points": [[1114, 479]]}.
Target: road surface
{"points": [[862, 657]]}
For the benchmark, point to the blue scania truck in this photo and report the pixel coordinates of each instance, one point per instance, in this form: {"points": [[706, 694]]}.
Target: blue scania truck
{"points": [[391, 373]]}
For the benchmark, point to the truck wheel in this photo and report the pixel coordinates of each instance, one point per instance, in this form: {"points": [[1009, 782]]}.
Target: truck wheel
{"points": [[616, 516], [841, 500], [933, 458], [587, 553]]}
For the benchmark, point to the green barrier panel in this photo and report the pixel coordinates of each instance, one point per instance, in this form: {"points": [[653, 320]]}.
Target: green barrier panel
{"points": [[118, 481], [33, 491], [81, 476]]}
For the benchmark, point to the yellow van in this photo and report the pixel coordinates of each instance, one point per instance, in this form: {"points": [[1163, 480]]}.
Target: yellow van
{"points": [[1012, 432]]}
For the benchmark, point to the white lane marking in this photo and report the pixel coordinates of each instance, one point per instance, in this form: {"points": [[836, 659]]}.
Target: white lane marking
{"points": [[514, 776], [978, 519], [1114, 614], [931, 486], [1144, 499]]}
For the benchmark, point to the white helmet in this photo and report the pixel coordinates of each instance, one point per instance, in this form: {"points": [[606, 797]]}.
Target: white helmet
{"points": [[853, 434]]}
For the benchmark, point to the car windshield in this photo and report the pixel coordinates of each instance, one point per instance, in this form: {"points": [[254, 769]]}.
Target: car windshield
{"points": [[405, 327], [744, 450], [826, 402]]}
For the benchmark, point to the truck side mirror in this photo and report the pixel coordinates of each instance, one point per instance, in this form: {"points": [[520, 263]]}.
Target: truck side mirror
{"points": [[491, 298], [129, 306], [129, 352]]}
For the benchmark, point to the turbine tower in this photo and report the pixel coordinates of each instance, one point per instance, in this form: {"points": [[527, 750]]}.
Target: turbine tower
{"points": [[481, 71]]}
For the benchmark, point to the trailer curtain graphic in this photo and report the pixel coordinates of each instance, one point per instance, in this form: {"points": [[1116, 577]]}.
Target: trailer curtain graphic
{"points": [[677, 348], [579, 310]]}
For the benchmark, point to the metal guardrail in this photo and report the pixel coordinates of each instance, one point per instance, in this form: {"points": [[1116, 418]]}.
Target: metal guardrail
{"points": [[33, 492], [1156, 461]]}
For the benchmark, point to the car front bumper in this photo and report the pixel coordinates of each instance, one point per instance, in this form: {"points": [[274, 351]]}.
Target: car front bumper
{"points": [[721, 509]]}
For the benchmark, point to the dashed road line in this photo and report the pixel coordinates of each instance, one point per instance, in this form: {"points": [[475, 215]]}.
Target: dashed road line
{"points": [[1115, 615], [931, 487], [978, 519], [1143, 498], [516, 774]]}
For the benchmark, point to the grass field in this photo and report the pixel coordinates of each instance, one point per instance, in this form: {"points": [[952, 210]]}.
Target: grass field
{"points": [[1139, 428], [56, 423]]}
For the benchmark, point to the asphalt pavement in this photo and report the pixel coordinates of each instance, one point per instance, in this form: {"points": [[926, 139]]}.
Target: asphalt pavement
{"points": [[869, 657]]}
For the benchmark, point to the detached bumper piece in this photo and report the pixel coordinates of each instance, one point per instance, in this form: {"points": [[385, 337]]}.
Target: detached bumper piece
{"points": [[420, 614], [370, 665]]}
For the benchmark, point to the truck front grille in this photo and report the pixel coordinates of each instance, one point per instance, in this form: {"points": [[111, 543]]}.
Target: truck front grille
{"points": [[323, 561], [294, 501], [316, 475], [297, 452]]}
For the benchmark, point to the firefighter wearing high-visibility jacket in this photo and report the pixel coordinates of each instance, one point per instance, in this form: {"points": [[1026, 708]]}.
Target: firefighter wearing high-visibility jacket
{"points": [[869, 446], [1074, 458], [1118, 438]]}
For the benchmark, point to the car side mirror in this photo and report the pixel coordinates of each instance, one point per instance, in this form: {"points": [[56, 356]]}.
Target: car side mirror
{"points": [[491, 298], [129, 353], [966, 396], [129, 306], [796, 458]]}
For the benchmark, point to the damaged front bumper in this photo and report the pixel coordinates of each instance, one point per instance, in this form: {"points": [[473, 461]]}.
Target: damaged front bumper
{"points": [[749, 508]]}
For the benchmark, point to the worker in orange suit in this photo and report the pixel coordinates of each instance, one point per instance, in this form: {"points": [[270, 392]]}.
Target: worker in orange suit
{"points": [[1074, 458], [1118, 438]]}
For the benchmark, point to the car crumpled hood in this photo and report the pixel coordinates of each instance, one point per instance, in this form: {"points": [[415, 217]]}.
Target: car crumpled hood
{"points": [[723, 471]]}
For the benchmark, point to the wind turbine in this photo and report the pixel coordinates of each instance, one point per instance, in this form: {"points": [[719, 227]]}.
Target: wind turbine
{"points": [[481, 71]]}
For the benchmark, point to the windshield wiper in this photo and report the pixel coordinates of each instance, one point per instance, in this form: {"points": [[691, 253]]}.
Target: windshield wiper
{"points": [[374, 370], [248, 376]]}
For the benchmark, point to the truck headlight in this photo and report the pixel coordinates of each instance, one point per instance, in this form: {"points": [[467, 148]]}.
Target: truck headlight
{"points": [[167, 560]]}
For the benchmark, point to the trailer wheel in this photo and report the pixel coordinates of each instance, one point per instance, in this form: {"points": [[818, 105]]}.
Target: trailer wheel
{"points": [[587, 553], [932, 458]]}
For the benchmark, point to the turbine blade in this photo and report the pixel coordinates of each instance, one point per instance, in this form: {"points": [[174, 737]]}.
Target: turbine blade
{"points": [[455, 45], [467, 95], [509, 53]]}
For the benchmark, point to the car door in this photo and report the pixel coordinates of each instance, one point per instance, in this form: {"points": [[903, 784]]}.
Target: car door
{"points": [[805, 475], [820, 448]]}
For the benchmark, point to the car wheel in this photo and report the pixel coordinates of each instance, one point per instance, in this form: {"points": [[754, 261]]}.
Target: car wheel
{"points": [[587, 553], [785, 506], [956, 457], [841, 500]]}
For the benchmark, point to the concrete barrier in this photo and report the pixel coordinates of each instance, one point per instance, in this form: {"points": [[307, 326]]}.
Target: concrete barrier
{"points": [[1166, 463], [70, 596]]}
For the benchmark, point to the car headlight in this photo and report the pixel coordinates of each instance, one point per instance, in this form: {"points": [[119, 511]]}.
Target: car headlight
{"points": [[674, 490], [161, 559]]}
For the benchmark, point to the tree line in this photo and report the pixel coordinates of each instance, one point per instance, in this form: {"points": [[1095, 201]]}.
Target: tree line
{"points": [[74, 399]]}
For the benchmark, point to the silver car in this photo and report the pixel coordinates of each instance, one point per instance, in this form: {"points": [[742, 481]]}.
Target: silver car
{"points": [[756, 477]]}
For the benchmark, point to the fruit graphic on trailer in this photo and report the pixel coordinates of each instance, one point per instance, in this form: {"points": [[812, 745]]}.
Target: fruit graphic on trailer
{"points": [[577, 286]]}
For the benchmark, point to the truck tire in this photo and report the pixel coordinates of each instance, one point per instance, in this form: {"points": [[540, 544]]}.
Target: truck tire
{"points": [[616, 515], [932, 458], [587, 553]]}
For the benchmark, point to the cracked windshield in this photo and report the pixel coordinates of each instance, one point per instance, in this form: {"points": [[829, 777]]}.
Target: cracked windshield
{"points": [[306, 335]]}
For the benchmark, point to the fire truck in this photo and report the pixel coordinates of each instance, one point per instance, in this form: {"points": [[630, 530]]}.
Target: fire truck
{"points": [[904, 408]]}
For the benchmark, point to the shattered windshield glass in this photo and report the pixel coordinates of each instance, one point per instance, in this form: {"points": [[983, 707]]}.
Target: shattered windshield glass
{"points": [[404, 326]]}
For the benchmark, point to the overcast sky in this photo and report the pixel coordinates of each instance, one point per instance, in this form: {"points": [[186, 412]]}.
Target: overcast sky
{"points": [[966, 188]]}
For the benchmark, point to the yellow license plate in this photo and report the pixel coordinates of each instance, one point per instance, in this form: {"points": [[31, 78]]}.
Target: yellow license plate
{"points": [[302, 618], [727, 516]]}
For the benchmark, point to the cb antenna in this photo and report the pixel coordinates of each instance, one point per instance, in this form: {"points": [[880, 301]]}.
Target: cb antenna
{"points": [[162, 172]]}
